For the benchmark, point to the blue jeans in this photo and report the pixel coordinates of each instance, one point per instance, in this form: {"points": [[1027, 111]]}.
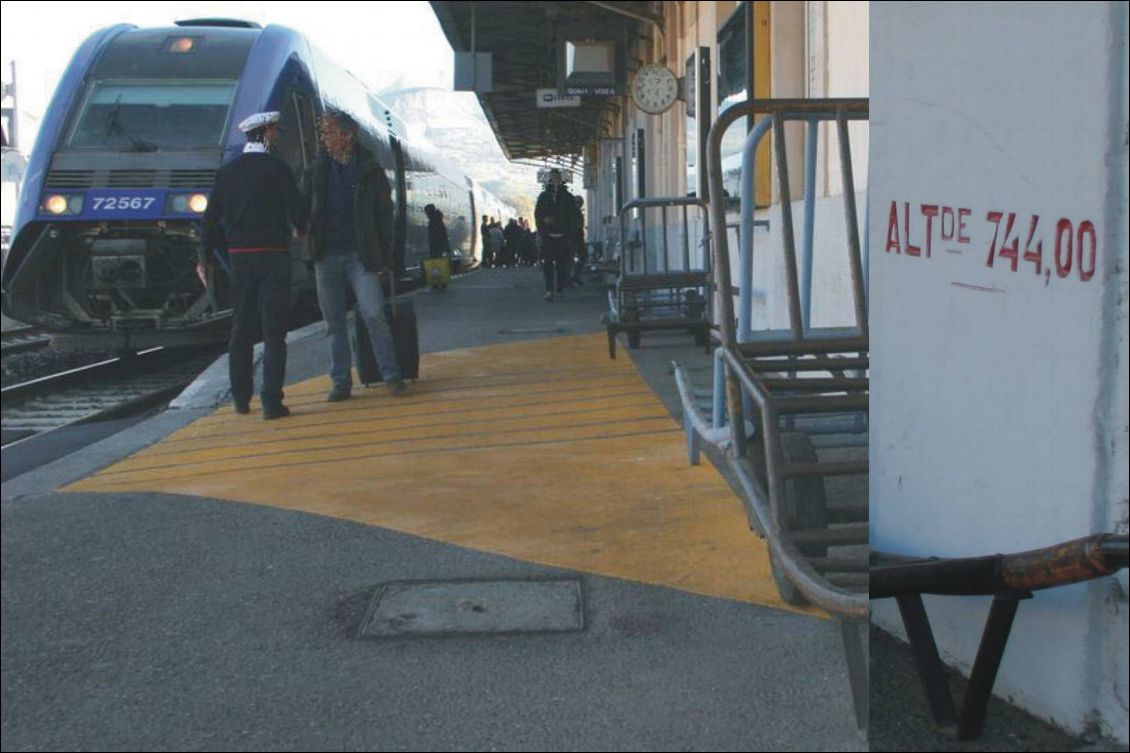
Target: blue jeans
{"points": [[333, 273]]}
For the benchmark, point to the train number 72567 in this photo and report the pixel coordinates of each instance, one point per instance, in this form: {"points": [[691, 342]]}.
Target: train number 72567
{"points": [[123, 202]]}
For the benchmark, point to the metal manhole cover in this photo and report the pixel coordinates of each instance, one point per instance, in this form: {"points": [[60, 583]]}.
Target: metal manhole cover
{"points": [[469, 607]]}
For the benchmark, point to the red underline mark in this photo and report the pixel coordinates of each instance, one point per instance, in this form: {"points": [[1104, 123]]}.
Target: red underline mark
{"points": [[980, 288]]}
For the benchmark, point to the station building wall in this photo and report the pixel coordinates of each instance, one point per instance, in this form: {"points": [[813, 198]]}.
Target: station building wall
{"points": [[811, 49], [999, 417]]}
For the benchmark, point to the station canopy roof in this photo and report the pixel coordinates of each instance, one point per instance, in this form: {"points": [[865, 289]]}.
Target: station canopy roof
{"points": [[523, 41]]}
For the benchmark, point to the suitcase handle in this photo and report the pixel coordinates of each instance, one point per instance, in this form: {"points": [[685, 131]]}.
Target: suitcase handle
{"points": [[392, 292]]}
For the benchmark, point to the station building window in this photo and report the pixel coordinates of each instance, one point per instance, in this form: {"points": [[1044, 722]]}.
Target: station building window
{"points": [[691, 126], [731, 81]]}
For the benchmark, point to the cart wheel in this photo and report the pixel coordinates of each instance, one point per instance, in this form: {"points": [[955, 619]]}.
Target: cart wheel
{"points": [[806, 508]]}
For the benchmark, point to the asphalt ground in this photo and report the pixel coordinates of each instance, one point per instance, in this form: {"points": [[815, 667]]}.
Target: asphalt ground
{"points": [[151, 620]]}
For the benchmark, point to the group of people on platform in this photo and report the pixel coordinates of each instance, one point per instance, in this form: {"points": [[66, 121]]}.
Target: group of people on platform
{"points": [[558, 243], [254, 207], [512, 246]]}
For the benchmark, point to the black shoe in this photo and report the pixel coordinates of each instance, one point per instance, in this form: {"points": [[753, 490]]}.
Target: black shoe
{"points": [[275, 411], [396, 387], [242, 407], [337, 394]]}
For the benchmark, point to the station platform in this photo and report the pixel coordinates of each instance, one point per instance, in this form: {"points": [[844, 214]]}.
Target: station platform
{"points": [[205, 580]]}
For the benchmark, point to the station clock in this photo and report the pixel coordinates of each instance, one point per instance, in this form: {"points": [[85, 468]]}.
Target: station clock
{"points": [[655, 89]]}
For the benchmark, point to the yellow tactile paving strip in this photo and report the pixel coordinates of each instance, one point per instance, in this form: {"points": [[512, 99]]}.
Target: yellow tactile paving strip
{"points": [[545, 451]]}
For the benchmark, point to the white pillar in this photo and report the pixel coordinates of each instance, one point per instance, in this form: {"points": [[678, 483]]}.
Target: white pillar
{"points": [[998, 214]]}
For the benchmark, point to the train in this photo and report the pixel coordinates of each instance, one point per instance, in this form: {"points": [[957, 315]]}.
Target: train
{"points": [[107, 230]]}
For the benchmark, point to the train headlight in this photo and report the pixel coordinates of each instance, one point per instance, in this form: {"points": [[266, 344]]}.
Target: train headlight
{"points": [[187, 203], [60, 204]]}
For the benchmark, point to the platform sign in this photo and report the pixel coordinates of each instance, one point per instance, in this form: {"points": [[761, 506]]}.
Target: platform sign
{"points": [[474, 72], [543, 175], [549, 98]]}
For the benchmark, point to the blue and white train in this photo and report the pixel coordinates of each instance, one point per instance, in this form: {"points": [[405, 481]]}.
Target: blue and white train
{"points": [[108, 226]]}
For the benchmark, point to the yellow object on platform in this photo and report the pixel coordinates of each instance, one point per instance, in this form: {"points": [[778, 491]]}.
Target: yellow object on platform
{"points": [[545, 451], [437, 272]]}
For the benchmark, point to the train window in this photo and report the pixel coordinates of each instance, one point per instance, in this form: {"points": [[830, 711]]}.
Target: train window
{"points": [[289, 145], [151, 115], [305, 128]]}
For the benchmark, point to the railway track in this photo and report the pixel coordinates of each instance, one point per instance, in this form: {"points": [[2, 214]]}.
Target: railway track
{"points": [[23, 339], [107, 389]]}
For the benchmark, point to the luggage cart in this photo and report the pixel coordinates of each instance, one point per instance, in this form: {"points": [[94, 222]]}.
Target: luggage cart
{"points": [[650, 295], [796, 399]]}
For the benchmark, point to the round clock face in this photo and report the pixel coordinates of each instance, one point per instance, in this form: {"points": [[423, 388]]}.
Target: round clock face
{"points": [[655, 89]]}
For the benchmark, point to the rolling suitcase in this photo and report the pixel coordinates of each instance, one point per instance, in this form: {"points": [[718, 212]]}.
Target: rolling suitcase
{"points": [[401, 318]]}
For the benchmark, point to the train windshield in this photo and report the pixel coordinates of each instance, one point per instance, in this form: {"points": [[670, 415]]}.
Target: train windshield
{"points": [[153, 115]]}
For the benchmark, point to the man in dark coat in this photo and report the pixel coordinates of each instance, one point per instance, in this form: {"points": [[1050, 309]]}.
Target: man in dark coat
{"points": [[254, 203], [555, 215], [512, 242], [351, 241], [438, 244]]}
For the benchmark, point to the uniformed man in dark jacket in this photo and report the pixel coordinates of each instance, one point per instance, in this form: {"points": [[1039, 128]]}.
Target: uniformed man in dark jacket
{"points": [[350, 242], [254, 203], [555, 215]]}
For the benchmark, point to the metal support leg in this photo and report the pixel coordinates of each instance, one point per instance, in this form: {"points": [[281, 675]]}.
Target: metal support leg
{"points": [[853, 633], [718, 419], [694, 442], [930, 667], [989, 655], [971, 723]]}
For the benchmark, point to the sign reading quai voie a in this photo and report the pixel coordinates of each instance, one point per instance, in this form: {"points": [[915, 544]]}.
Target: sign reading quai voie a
{"points": [[550, 98]]}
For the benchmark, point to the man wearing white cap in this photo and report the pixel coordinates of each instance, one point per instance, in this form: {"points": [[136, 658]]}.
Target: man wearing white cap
{"points": [[253, 205]]}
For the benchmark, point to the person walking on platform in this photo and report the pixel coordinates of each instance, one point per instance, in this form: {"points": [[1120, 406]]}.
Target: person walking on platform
{"points": [[350, 242], [512, 241], [487, 243], [438, 245], [580, 249], [529, 249], [253, 205], [437, 269], [555, 216], [494, 233]]}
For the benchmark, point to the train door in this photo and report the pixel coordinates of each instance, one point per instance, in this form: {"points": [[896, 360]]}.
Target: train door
{"points": [[400, 221], [298, 147], [474, 229]]}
